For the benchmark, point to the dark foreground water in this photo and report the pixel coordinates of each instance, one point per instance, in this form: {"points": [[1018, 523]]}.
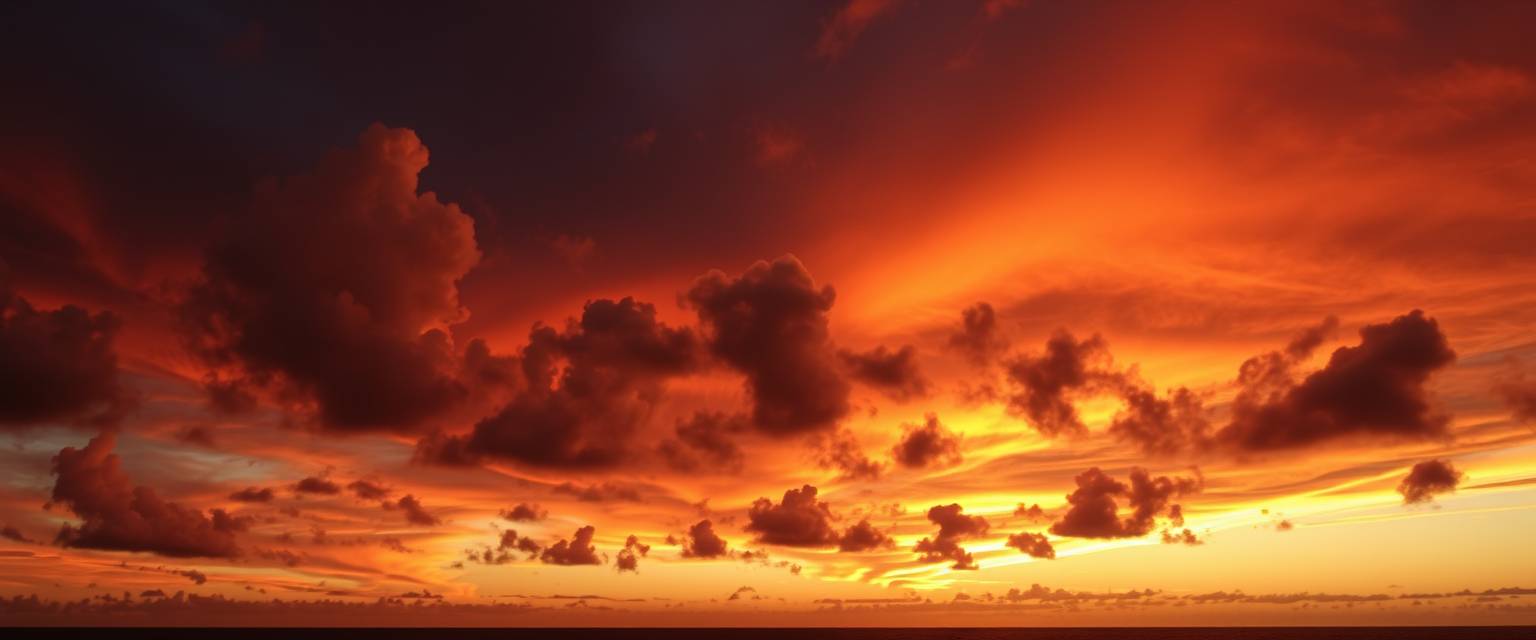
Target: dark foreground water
{"points": [[1182, 633]]}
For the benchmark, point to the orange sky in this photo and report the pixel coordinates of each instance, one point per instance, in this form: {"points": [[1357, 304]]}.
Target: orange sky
{"points": [[1253, 278]]}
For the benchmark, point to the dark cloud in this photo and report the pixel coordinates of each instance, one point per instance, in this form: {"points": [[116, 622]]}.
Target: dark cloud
{"points": [[333, 284], [863, 537], [118, 515], [578, 550], [200, 435], [508, 544], [414, 512], [1373, 390], [1034, 544], [840, 450], [1044, 386], [629, 557], [604, 492], [587, 391], [525, 512], [1094, 512], [1161, 426], [317, 485], [702, 541], [929, 445], [253, 494], [1031, 513], [56, 365], [1186, 537], [706, 441], [1427, 479], [771, 325], [12, 533], [1519, 395], [954, 526], [893, 373], [979, 337], [799, 520], [368, 490]]}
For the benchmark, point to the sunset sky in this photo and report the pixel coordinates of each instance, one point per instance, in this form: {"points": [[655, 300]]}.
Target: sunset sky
{"points": [[1015, 312]]}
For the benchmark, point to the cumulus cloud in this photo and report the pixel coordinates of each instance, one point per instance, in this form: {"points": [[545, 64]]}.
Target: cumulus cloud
{"points": [[629, 557], [368, 490], [56, 365], [706, 441], [978, 336], [954, 526], [771, 325], [253, 494], [863, 537], [893, 373], [13, 534], [118, 515], [1427, 479], [799, 520], [414, 511], [1094, 512], [1031, 513], [701, 541], [1044, 386], [841, 451], [317, 485], [1186, 537], [1161, 426], [929, 445], [1034, 544], [579, 550], [333, 286], [588, 389], [1373, 390], [525, 512]]}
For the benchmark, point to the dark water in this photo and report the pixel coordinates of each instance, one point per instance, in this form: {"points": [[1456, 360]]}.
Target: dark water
{"points": [[1184, 633]]}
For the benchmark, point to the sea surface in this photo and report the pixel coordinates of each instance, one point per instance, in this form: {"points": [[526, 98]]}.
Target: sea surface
{"points": [[1116, 633]]}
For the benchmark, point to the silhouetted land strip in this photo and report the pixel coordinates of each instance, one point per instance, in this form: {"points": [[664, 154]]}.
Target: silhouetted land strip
{"points": [[1096, 633]]}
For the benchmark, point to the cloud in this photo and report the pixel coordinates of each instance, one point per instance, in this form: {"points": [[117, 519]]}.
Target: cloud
{"points": [[524, 512], [1427, 479], [842, 28], [893, 373], [367, 490], [317, 485], [578, 550], [863, 537], [702, 542], [1034, 544], [12, 533], [1186, 537], [253, 494], [841, 451], [1031, 513], [1161, 426], [333, 286], [771, 325], [414, 512], [1373, 390], [954, 526], [705, 441], [1094, 512], [799, 520], [587, 390], [118, 515], [1519, 394], [979, 337], [56, 365], [604, 492], [1044, 386], [629, 557], [927, 446]]}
